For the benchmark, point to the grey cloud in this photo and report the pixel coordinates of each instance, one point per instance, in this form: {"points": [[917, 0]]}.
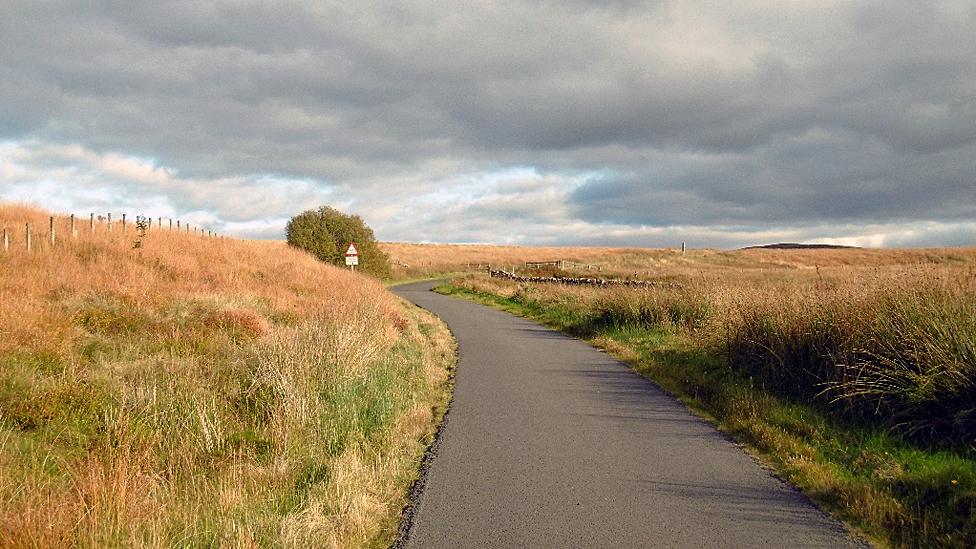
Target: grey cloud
{"points": [[746, 114]]}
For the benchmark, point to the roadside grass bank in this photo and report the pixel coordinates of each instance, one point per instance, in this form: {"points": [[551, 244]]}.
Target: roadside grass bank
{"points": [[856, 391], [206, 392]]}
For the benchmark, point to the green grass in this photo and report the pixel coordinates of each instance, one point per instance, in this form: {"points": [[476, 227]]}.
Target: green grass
{"points": [[897, 492], [200, 423]]}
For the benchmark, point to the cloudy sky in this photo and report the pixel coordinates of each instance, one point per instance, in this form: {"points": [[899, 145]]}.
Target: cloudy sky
{"points": [[532, 122]]}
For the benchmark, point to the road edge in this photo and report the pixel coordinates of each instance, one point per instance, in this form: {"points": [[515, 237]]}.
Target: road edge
{"points": [[409, 512]]}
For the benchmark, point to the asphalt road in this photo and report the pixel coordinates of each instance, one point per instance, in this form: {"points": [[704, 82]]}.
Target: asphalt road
{"points": [[552, 443]]}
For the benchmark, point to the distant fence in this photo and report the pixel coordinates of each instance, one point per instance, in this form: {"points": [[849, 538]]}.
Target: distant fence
{"points": [[61, 228], [560, 264], [582, 281], [540, 264]]}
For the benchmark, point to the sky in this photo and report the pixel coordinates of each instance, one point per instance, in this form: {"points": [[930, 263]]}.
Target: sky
{"points": [[533, 122]]}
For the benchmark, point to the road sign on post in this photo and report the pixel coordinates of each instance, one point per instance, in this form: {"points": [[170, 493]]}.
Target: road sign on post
{"points": [[352, 256]]}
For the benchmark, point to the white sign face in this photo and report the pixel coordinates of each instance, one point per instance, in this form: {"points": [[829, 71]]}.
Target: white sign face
{"points": [[352, 250], [352, 260]]}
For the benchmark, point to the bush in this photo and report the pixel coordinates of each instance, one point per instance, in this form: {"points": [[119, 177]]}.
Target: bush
{"points": [[326, 233]]}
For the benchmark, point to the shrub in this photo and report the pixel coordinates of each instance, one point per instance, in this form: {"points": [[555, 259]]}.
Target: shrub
{"points": [[326, 233]]}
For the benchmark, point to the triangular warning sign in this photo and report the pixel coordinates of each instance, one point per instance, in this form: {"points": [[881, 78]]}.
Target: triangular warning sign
{"points": [[352, 250]]}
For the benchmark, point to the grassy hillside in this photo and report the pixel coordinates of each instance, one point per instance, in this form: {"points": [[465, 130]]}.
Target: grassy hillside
{"points": [[855, 379], [199, 391]]}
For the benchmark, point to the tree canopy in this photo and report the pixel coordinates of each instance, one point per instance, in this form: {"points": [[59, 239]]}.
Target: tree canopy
{"points": [[326, 233]]}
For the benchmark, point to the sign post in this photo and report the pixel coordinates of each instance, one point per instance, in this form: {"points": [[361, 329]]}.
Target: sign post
{"points": [[352, 256]]}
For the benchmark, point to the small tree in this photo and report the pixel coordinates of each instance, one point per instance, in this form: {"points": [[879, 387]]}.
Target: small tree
{"points": [[327, 232], [309, 231]]}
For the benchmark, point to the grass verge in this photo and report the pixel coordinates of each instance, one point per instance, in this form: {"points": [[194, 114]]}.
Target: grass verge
{"points": [[897, 492], [205, 392]]}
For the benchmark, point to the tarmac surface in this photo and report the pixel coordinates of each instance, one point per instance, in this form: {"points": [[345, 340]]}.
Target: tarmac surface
{"points": [[552, 443]]}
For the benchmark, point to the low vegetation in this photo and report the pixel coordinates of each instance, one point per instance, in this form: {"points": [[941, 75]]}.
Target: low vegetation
{"points": [[857, 383], [205, 392]]}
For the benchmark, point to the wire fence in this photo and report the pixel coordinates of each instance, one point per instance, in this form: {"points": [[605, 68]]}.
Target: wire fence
{"points": [[33, 237]]}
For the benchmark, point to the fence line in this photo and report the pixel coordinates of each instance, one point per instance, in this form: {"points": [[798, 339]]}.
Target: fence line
{"points": [[55, 233], [561, 264], [539, 264]]}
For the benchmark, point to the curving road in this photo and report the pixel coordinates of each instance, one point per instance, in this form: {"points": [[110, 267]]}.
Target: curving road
{"points": [[551, 443]]}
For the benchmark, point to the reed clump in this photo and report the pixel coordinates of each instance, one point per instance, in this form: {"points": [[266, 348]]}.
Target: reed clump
{"points": [[901, 351]]}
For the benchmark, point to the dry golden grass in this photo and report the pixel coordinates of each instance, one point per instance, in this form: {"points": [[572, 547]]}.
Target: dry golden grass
{"points": [[424, 259], [412, 260], [37, 285], [202, 391]]}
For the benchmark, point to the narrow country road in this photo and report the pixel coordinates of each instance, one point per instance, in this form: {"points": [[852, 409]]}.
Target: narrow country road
{"points": [[551, 443]]}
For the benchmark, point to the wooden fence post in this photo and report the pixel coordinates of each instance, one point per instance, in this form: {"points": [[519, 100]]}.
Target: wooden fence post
{"points": [[123, 223], [27, 234], [6, 241], [109, 221], [52, 231], [74, 233], [91, 223]]}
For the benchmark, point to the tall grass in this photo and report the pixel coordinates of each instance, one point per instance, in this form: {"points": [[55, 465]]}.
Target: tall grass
{"points": [[205, 392], [897, 349]]}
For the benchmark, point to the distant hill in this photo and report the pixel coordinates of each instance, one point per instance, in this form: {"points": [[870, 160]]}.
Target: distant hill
{"points": [[797, 246]]}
